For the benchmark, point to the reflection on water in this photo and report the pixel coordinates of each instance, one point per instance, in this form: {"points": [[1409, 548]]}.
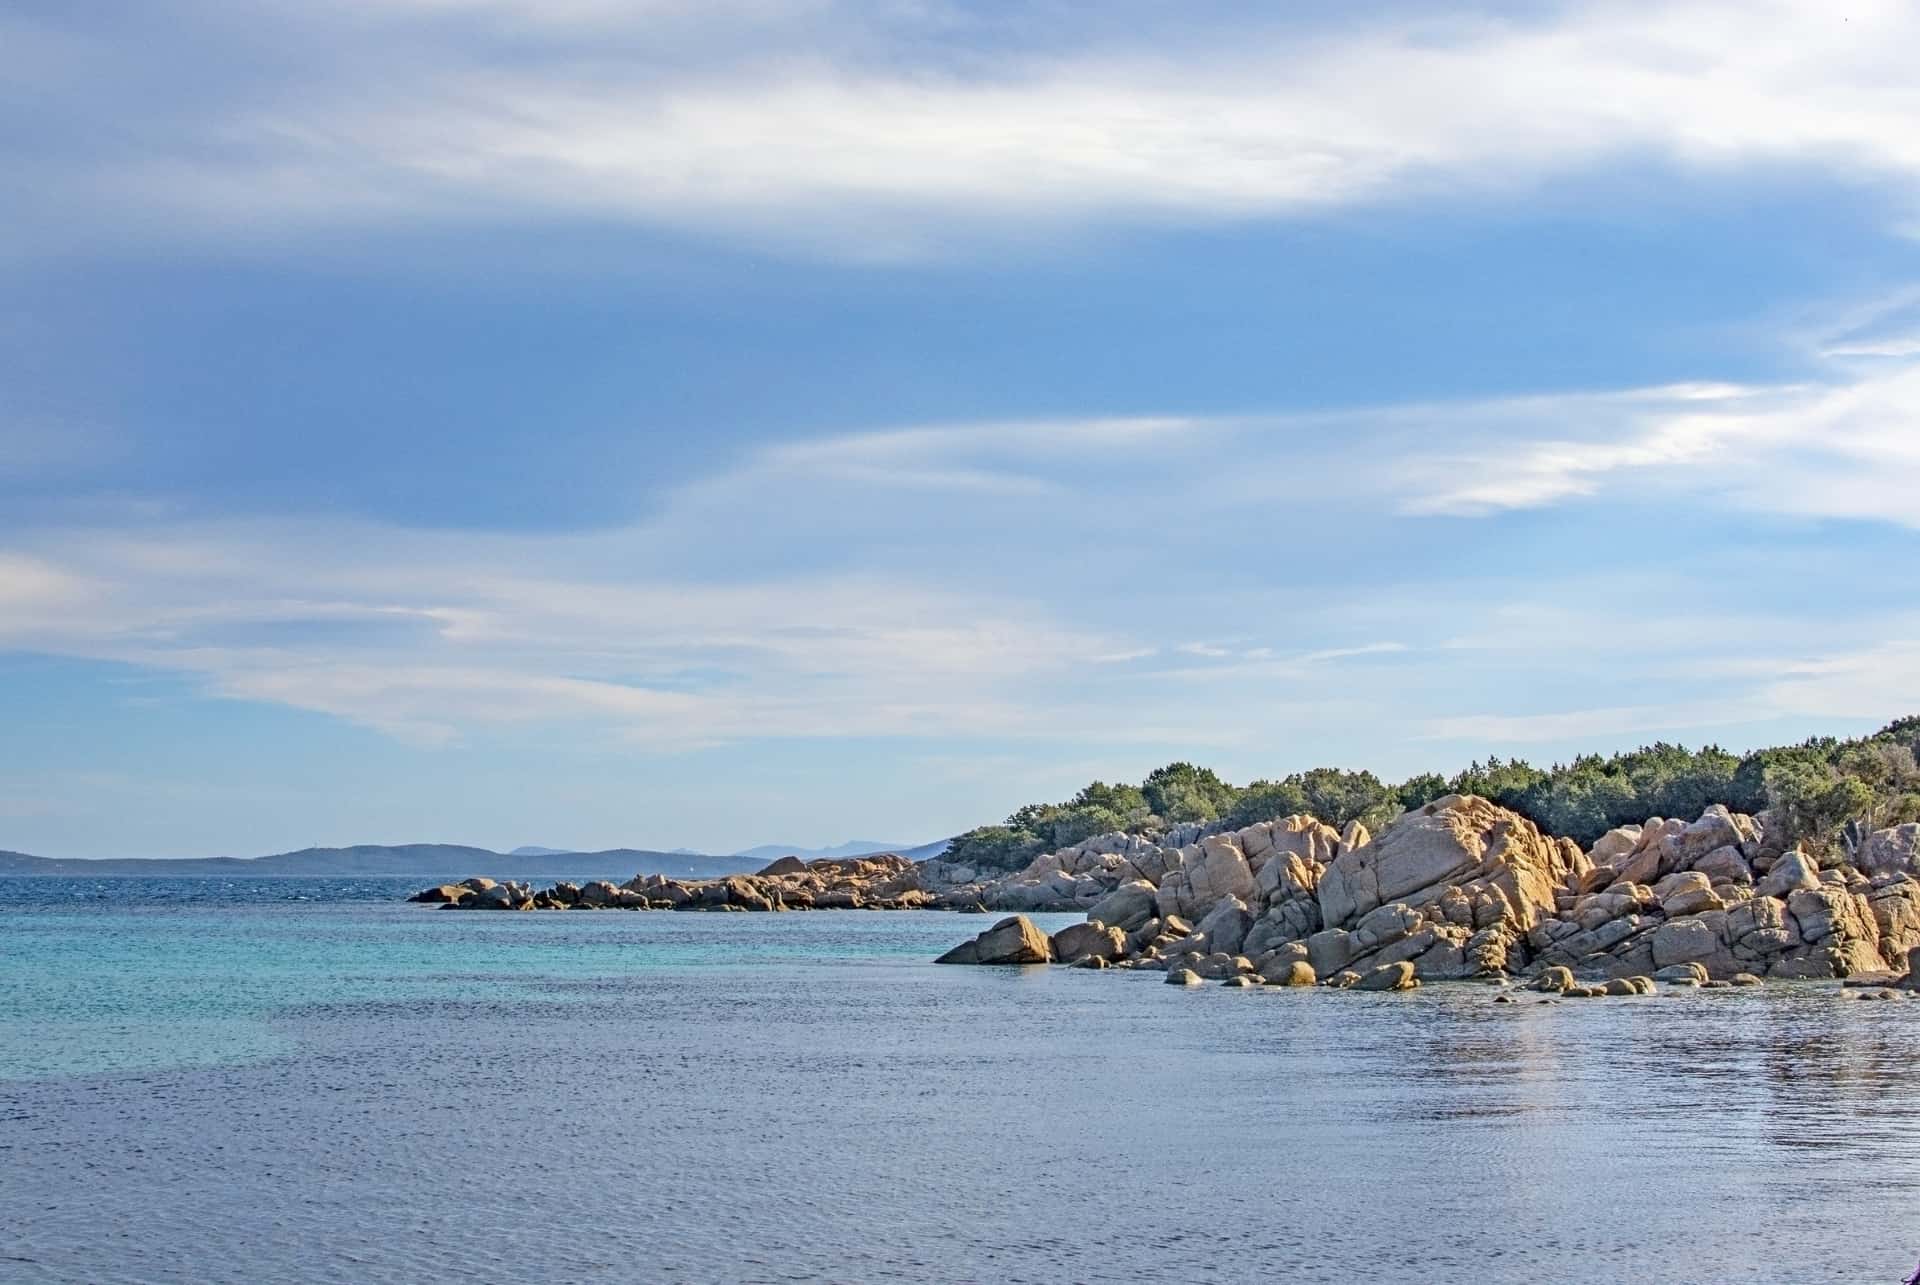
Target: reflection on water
{"points": [[367, 1092]]}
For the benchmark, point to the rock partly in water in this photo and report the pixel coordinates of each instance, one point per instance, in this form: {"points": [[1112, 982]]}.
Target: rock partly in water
{"points": [[1090, 940], [1389, 977], [1014, 940], [1687, 974], [1558, 977], [1290, 973]]}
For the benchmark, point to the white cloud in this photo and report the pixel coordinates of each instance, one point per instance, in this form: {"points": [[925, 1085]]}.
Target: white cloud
{"points": [[1878, 681], [1850, 449], [868, 131], [427, 636]]}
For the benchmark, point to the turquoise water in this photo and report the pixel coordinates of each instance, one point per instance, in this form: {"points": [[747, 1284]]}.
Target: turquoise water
{"points": [[124, 975], [274, 1081]]}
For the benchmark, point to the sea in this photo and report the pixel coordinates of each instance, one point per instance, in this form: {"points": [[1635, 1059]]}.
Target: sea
{"points": [[275, 1080]]}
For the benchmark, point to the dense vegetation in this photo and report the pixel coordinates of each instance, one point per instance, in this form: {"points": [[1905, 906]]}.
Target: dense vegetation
{"points": [[1818, 790]]}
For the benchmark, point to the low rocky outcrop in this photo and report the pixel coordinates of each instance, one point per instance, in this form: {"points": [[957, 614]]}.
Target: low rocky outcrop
{"points": [[884, 882]]}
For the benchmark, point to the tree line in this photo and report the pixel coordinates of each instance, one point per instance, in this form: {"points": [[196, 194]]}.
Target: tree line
{"points": [[1818, 791]]}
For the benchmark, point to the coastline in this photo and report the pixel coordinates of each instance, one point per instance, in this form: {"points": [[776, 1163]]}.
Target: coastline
{"points": [[1457, 889]]}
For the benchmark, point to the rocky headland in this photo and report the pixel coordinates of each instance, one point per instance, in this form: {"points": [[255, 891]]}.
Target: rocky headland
{"points": [[1460, 888]]}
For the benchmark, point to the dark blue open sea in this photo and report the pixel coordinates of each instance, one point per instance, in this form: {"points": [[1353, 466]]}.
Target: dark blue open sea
{"points": [[281, 1081]]}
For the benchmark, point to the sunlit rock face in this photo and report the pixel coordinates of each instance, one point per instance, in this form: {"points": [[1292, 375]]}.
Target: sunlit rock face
{"points": [[1463, 887]]}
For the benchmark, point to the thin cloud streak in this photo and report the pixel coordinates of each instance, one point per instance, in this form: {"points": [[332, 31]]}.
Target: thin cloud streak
{"points": [[872, 141]]}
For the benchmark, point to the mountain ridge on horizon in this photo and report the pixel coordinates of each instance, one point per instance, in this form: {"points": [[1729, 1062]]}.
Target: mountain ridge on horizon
{"points": [[851, 848], [425, 861], [445, 861]]}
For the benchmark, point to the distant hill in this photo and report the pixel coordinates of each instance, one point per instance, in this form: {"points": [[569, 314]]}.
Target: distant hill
{"points": [[852, 848], [529, 850], [426, 862]]}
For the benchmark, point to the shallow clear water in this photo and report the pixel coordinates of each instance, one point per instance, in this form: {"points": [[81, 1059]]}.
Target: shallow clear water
{"points": [[228, 1083]]}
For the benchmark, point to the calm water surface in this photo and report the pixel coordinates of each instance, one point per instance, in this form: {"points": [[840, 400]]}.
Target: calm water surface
{"points": [[265, 1081]]}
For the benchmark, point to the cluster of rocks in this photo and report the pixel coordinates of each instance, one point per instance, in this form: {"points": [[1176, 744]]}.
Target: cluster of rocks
{"points": [[1463, 888], [864, 883]]}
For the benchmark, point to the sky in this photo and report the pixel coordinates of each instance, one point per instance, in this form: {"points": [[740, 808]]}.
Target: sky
{"points": [[601, 423]]}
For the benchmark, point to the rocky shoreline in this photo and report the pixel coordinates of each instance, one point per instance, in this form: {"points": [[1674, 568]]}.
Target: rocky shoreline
{"points": [[1463, 889], [884, 882], [1458, 889]]}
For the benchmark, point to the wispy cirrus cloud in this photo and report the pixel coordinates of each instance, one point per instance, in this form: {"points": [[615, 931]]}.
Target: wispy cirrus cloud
{"points": [[1850, 449], [884, 130]]}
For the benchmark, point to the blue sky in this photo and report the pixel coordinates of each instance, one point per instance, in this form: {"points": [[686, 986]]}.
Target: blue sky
{"points": [[589, 423]]}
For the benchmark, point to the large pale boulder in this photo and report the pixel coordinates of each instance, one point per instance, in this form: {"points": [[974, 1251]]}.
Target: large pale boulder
{"points": [[1894, 851], [1716, 828], [1597, 908], [1683, 941], [1687, 893], [1389, 977], [1498, 860], [1828, 912], [1127, 906], [743, 892], [1153, 862], [1791, 873], [1614, 846], [1216, 868], [1761, 929], [1297, 972], [495, 896], [1825, 961], [1090, 940], [1286, 884], [1385, 925], [1302, 836], [1331, 950], [1014, 940], [1554, 979], [598, 892], [1225, 926], [1724, 865], [1896, 913], [1287, 920], [1655, 853]]}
